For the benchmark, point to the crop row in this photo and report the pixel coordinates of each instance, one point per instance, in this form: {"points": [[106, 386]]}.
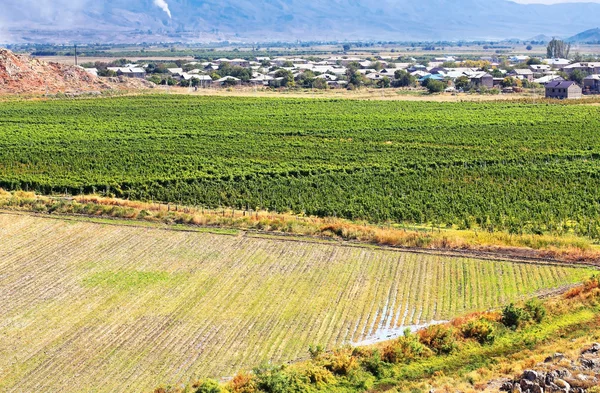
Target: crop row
{"points": [[127, 308], [513, 166]]}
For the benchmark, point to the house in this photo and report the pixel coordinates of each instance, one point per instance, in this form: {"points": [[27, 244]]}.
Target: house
{"points": [[539, 69], [239, 63], [135, 72], [227, 80], [563, 90], [482, 78], [557, 63], [524, 73], [586, 67], [591, 84], [547, 79], [260, 79]]}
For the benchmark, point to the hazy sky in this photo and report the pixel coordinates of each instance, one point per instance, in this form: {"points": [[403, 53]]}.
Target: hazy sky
{"points": [[554, 1]]}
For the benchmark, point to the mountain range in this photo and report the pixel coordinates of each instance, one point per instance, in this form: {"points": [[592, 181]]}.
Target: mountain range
{"points": [[274, 20]]}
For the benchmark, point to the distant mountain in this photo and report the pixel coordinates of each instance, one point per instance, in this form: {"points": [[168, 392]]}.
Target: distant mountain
{"points": [[541, 38], [260, 20], [591, 36]]}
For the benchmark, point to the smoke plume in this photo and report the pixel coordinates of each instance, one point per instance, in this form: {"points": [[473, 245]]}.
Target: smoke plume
{"points": [[164, 6]]}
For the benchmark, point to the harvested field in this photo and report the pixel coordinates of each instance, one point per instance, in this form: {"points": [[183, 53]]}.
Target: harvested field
{"points": [[92, 307]]}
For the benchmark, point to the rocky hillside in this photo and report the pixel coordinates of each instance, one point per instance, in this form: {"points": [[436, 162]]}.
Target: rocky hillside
{"points": [[560, 374], [21, 74]]}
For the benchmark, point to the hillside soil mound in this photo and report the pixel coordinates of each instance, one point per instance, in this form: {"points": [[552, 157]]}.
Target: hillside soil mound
{"points": [[21, 74]]}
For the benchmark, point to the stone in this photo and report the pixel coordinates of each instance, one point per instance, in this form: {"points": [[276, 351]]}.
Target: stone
{"points": [[555, 357], [526, 385], [530, 375], [561, 383], [506, 387]]}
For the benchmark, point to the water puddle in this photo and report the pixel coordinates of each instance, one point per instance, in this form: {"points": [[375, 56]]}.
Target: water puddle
{"points": [[386, 334]]}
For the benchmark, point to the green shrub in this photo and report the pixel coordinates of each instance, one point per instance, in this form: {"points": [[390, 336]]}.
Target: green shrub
{"points": [[514, 317], [536, 310], [405, 349], [207, 386], [341, 361], [439, 338], [373, 364], [479, 330]]}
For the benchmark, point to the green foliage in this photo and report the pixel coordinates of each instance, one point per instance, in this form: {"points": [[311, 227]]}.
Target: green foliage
{"points": [[558, 49], [487, 164], [535, 309], [434, 86], [403, 79], [439, 338], [207, 386], [405, 349], [275, 379], [514, 317], [479, 330], [373, 364]]}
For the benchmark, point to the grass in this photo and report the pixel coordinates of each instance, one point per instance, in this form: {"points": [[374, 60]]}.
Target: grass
{"points": [[125, 308], [567, 247]]}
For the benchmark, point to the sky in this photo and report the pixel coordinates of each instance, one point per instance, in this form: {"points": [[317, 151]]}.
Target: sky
{"points": [[554, 1]]}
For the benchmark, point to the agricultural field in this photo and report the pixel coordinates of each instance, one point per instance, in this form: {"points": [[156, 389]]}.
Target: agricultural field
{"points": [[101, 307], [513, 166]]}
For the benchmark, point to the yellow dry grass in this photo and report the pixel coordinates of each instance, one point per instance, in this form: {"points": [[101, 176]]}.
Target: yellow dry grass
{"points": [[91, 307]]}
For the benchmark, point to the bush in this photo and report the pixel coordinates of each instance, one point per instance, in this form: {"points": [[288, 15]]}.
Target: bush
{"points": [[439, 338], [242, 383], [514, 317], [536, 310], [341, 362], [318, 375], [373, 364], [434, 86], [479, 330], [207, 386], [271, 379], [405, 349]]}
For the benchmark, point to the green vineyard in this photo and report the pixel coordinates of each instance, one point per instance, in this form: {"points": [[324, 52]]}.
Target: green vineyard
{"points": [[524, 168], [123, 308]]}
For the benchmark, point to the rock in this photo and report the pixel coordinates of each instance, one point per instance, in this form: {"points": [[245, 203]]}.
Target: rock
{"points": [[562, 384], [594, 349], [537, 389], [590, 363], [563, 373], [517, 389], [530, 375], [506, 387], [526, 385], [555, 357]]}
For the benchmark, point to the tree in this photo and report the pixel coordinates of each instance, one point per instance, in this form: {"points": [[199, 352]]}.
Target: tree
{"points": [[462, 82], [403, 79], [529, 47], [434, 86], [533, 61], [558, 49], [346, 47], [383, 82], [577, 76]]}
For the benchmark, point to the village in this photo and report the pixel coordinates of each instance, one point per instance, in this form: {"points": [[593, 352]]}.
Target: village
{"points": [[561, 78]]}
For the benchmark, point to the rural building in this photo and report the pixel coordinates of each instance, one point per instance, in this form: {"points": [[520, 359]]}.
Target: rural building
{"points": [[591, 84], [134, 72], [482, 79], [524, 73], [563, 90], [586, 67]]}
